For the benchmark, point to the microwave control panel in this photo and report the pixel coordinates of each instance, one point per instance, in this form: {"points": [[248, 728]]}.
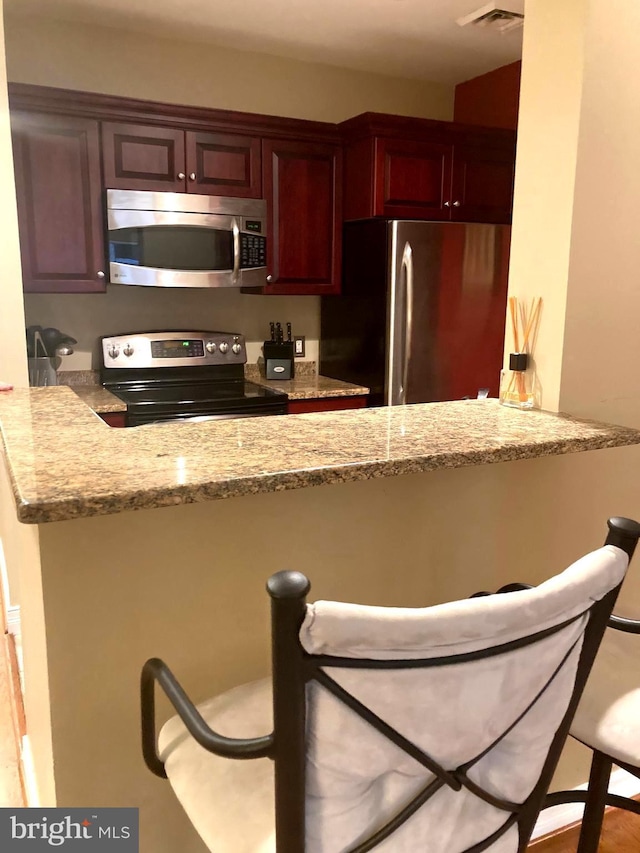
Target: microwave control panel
{"points": [[253, 251]]}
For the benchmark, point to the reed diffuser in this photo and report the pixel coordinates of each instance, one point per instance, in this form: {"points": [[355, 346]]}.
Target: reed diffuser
{"points": [[518, 387]]}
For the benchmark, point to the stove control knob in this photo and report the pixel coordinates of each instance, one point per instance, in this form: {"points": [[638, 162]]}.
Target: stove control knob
{"points": [[114, 351], [224, 347], [128, 350], [236, 348], [211, 347]]}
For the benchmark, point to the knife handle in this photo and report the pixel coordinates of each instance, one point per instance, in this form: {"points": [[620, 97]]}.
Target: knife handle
{"points": [[272, 326], [288, 331]]}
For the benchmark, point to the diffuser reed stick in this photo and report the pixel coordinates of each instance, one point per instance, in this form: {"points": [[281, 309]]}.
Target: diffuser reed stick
{"points": [[517, 385]]}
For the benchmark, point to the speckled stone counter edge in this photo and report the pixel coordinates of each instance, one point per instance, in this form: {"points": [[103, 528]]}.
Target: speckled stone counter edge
{"points": [[36, 513], [457, 451]]}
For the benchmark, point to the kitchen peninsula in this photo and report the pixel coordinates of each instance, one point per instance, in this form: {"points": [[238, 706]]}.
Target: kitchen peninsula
{"points": [[89, 469], [182, 577]]}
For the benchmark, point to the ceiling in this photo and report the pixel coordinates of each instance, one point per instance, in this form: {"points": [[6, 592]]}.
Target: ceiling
{"points": [[417, 39]]}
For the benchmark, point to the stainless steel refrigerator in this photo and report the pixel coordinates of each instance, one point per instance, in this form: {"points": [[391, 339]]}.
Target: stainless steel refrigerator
{"points": [[422, 312]]}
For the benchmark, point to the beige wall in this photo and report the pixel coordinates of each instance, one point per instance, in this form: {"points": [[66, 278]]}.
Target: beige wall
{"points": [[574, 239], [601, 361], [13, 366], [187, 584], [19, 544], [550, 103], [99, 59]]}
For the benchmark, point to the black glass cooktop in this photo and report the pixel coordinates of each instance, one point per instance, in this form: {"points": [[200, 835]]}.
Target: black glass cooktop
{"points": [[210, 394]]}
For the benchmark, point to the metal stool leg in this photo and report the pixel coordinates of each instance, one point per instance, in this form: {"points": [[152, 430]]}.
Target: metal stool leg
{"points": [[596, 800]]}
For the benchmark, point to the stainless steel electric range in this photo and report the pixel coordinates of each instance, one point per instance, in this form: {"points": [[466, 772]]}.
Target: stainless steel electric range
{"points": [[183, 375]]}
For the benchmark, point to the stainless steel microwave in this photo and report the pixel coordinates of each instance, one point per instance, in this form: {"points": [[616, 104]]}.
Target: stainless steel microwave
{"points": [[184, 240]]}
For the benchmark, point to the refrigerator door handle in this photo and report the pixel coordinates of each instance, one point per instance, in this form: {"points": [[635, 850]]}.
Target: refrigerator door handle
{"points": [[407, 275]]}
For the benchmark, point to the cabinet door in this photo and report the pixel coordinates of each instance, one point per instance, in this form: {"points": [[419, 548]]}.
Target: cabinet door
{"points": [[58, 188], [413, 179], [326, 404], [137, 157], [303, 188], [482, 187], [223, 164]]}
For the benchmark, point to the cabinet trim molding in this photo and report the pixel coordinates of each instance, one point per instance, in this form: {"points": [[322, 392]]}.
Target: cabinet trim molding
{"points": [[48, 99]]}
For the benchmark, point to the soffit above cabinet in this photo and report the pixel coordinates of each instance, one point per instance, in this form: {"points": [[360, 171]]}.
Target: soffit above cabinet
{"points": [[47, 99]]}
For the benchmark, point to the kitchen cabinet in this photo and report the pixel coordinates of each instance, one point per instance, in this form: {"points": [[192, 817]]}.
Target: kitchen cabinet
{"points": [[156, 159], [406, 168], [482, 185], [58, 190], [326, 404], [303, 190], [412, 179], [114, 419]]}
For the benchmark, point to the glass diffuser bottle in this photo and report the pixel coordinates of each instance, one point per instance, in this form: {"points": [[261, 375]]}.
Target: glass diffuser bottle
{"points": [[517, 385]]}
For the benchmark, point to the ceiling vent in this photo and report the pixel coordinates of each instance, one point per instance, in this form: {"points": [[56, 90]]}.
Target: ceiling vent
{"points": [[501, 16]]}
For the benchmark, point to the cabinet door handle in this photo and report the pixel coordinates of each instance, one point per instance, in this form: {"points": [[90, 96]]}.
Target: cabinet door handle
{"points": [[192, 176], [456, 204], [269, 278], [181, 176], [447, 204], [100, 274]]}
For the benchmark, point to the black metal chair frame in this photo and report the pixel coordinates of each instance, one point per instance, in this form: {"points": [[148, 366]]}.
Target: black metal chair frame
{"points": [[597, 797], [293, 668]]}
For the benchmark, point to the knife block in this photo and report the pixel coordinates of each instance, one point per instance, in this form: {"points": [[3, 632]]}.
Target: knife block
{"points": [[278, 360]]}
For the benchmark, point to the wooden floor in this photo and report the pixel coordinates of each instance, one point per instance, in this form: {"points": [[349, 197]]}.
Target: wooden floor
{"points": [[621, 834]]}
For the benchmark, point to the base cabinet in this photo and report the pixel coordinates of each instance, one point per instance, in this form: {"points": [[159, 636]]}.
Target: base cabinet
{"points": [[59, 198], [114, 419], [326, 404]]}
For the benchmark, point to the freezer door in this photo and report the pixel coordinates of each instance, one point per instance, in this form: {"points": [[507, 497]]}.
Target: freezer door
{"points": [[447, 307]]}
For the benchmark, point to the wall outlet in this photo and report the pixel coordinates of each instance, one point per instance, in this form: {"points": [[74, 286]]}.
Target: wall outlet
{"points": [[298, 346]]}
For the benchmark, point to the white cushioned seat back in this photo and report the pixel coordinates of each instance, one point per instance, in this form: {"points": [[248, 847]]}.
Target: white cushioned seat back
{"points": [[608, 716], [357, 779]]}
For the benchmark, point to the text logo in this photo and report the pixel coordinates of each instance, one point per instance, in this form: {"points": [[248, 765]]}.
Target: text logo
{"points": [[74, 830]]}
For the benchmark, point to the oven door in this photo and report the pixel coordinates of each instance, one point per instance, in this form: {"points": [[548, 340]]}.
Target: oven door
{"points": [[177, 249]]}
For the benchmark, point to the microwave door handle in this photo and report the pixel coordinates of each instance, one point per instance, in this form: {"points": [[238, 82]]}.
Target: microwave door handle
{"points": [[407, 269], [236, 249]]}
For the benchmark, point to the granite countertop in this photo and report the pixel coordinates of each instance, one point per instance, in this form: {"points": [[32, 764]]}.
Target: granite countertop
{"points": [[312, 387], [65, 462], [306, 385], [99, 399]]}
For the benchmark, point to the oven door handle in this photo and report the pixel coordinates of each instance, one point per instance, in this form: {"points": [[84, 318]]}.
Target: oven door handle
{"points": [[236, 249]]}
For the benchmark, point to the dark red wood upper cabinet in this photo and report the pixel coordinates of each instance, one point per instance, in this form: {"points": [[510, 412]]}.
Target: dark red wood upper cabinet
{"points": [[401, 167], [224, 164], [139, 157], [412, 179], [482, 188], [59, 195], [157, 159], [302, 186]]}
